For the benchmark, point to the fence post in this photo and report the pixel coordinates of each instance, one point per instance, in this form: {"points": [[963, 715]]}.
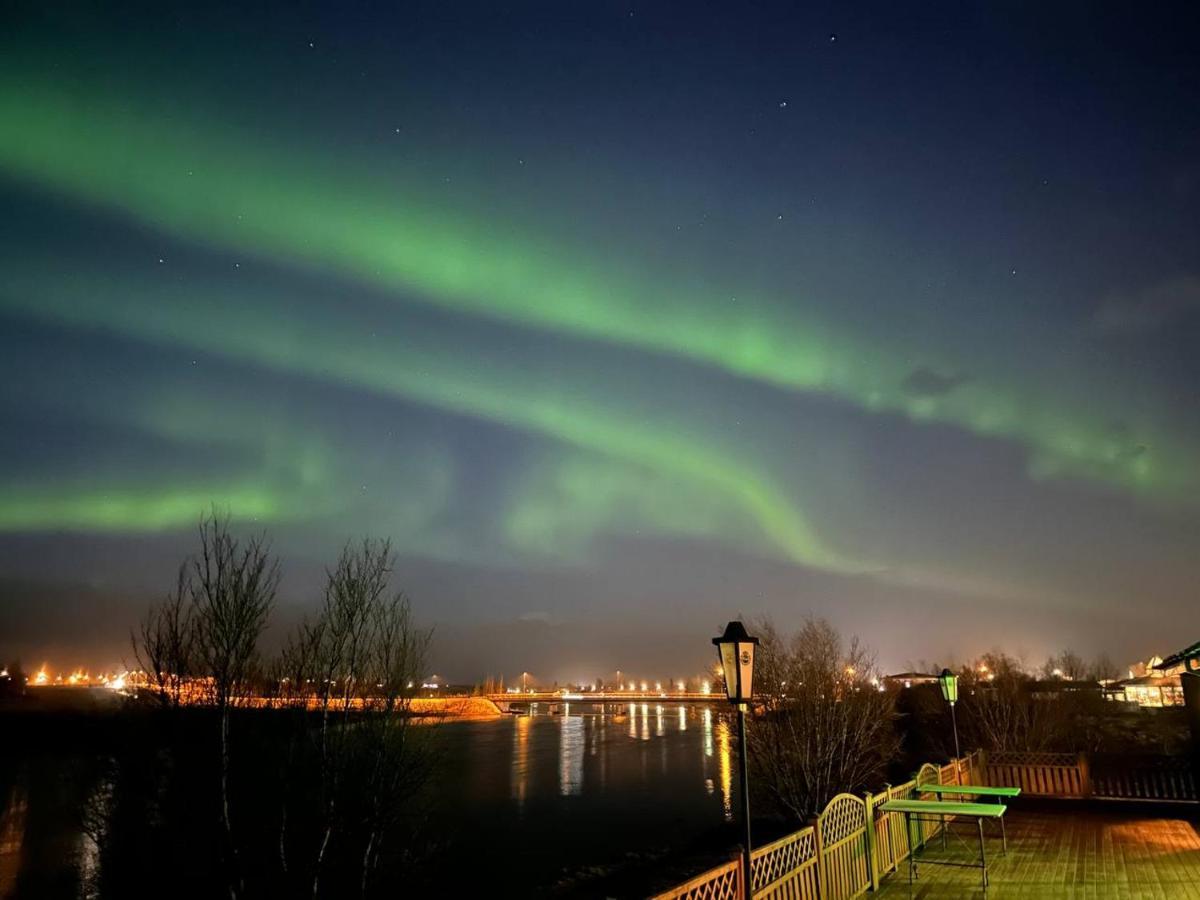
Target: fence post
{"points": [[983, 769], [822, 879], [872, 842], [1085, 775]]}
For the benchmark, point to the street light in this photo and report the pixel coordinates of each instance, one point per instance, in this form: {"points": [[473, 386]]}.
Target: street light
{"points": [[735, 649], [948, 682]]}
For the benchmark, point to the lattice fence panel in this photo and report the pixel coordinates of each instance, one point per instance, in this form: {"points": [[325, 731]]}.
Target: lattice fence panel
{"points": [[722, 883], [784, 857], [844, 814], [1021, 758]]}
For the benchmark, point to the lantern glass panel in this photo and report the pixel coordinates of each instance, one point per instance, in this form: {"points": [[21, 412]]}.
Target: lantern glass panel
{"points": [[746, 668], [729, 668], [949, 685]]}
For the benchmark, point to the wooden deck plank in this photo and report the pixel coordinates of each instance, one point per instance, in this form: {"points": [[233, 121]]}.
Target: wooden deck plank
{"points": [[1073, 852]]}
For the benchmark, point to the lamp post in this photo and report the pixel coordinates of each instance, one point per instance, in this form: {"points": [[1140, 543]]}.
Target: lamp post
{"points": [[948, 682], [735, 648]]}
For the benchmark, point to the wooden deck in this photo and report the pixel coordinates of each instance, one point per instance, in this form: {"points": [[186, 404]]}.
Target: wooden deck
{"points": [[1067, 850]]}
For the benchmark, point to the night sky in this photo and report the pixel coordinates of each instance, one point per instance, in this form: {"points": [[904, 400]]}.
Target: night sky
{"points": [[619, 319]]}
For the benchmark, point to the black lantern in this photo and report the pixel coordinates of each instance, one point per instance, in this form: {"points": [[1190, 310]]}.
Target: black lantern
{"points": [[736, 650], [948, 682]]}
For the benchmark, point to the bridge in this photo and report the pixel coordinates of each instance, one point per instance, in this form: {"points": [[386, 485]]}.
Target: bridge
{"points": [[508, 700]]}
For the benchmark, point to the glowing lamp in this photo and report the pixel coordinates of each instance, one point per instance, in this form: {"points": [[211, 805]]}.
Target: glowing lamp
{"points": [[948, 682], [736, 651]]}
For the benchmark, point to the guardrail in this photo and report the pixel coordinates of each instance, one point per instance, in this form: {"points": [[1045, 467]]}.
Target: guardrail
{"points": [[849, 847], [853, 844]]}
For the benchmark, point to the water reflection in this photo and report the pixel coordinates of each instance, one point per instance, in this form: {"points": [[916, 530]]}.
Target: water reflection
{"points": [[12, 839], [682, 719], [633, 720], [659, 728], [520, 760], [570, 755], [725, 761], [708, 732]]}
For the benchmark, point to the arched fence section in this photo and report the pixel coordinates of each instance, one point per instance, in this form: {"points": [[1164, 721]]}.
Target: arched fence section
{"points": [[842, 840]]}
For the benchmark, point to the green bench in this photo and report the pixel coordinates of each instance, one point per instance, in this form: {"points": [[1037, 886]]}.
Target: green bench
{"points": [[937, 810]]}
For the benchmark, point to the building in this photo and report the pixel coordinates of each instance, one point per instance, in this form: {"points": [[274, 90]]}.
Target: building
{"points": [[1156, 682], [1186, 660], [908, 679]]}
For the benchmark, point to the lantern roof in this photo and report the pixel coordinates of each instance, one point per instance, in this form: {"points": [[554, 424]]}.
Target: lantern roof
{"points": [[735, 633]]}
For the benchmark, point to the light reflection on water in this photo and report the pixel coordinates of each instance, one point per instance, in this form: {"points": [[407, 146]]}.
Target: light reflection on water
{"points": [[520, 760], [12, 839], [725, 758], [584, 749], [570, 755]]}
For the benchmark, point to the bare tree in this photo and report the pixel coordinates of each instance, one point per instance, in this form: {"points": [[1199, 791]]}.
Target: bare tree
{"points": [[1068, 664], [823, 726], [232, 589], [998, 711], [355, 667], [1104, 669], [163, 642]]}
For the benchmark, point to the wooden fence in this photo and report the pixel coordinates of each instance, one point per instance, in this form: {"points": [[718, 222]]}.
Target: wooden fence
{"points": [[1039, 774], [842, 855], [1080, 776], [853, 844]]}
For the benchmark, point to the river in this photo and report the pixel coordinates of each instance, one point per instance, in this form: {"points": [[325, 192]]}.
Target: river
{"points": [[565, 801], [569, 791]]}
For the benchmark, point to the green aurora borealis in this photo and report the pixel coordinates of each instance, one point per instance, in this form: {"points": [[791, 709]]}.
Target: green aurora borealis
{"points": [[206, 302]]}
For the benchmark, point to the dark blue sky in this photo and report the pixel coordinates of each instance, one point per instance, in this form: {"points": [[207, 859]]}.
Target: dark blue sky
{"points": [[619, 320]]}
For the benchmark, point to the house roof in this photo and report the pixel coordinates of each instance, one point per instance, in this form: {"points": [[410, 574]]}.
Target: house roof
{"points": [[1148, 681], [1182, 656]]}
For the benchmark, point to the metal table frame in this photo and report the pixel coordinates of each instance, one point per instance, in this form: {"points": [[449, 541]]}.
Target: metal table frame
{"points": [[936, 811], [978, 790]]}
